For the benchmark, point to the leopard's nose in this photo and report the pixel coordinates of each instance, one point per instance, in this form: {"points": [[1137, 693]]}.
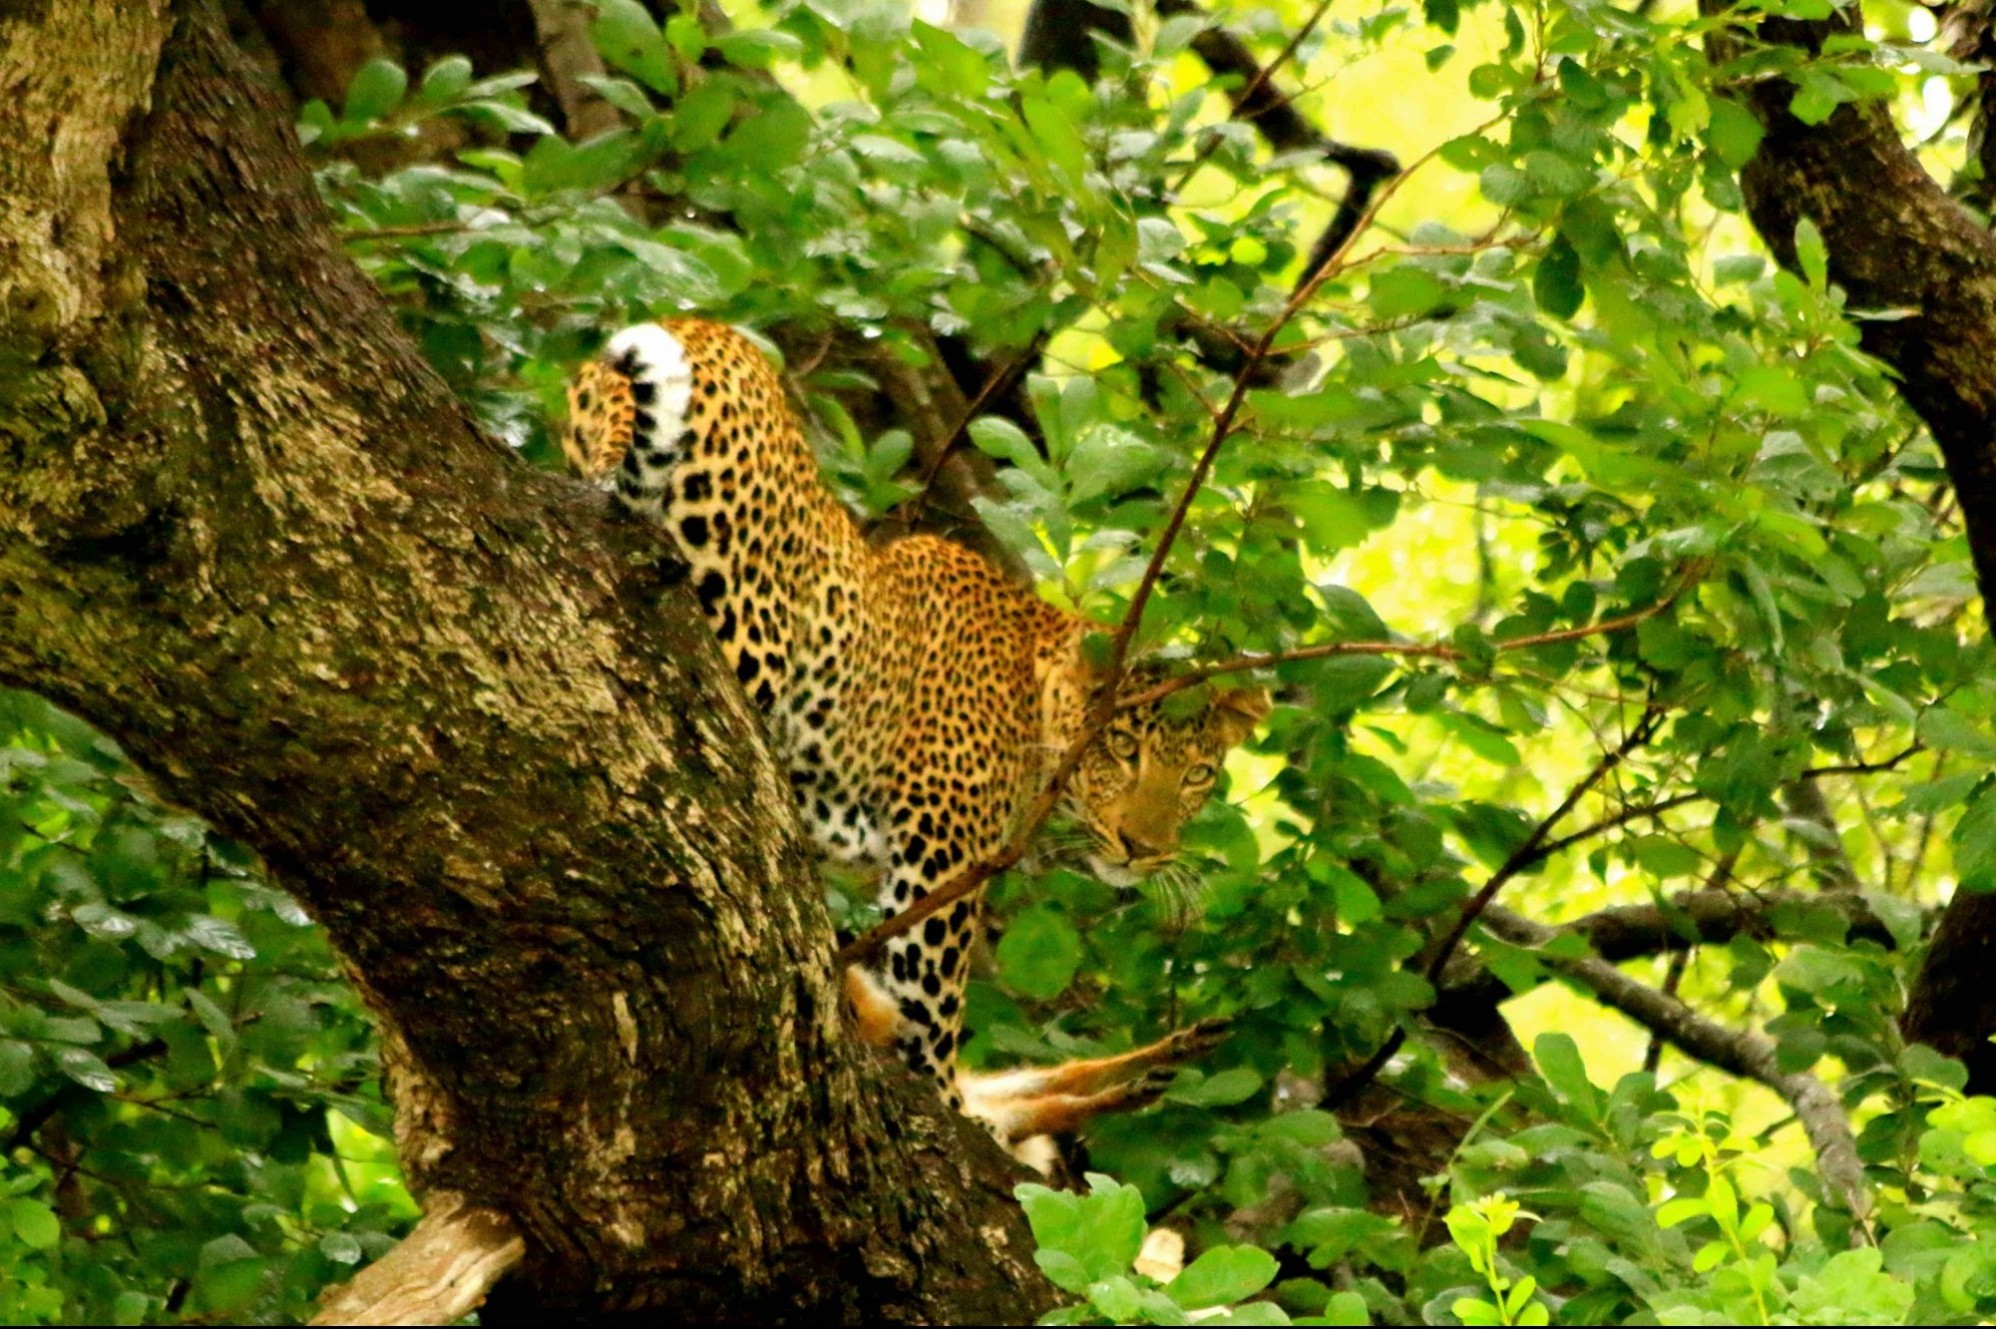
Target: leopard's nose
{"points": [[1136, 850]]}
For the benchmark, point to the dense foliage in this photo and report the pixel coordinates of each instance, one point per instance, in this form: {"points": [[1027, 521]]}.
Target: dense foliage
{"points": [[1552, 440]]}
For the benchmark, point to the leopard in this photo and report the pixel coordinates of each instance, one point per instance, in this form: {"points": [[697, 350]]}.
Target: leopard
{"points": [[917, 696]]}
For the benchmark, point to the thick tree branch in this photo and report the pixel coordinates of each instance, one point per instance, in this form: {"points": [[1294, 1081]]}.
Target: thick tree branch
{"points": [[568, 56], [1707, 917], [246, 531]]}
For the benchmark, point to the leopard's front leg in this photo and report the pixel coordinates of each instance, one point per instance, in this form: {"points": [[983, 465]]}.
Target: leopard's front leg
{"points": [[912, 993]]}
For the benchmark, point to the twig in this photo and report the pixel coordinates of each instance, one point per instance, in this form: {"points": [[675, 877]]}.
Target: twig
{"points": [[1674, 968], [33, 1119], [1229, 56], [437, 1274], [1533, 850], [1430, 651], [1530, 852], [992, 387], [408, 231]]}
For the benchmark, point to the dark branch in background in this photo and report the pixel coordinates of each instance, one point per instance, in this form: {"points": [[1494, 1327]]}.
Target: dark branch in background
{"points": [[1705, 917], [1673, 978], [1060, 34], [1740, 1052], [1815, 825], [1257, 101], [567, 56], [1532, 851]]}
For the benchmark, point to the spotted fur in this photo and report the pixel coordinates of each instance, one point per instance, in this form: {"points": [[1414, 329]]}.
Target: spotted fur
{"points": [[917, 696]]}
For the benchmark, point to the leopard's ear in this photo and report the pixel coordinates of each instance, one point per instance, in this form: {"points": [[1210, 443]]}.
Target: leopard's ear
{"points": [[1236, 713]]}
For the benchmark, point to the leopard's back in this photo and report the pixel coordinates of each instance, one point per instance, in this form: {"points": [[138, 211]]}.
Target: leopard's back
{"points": [[859, 656]]}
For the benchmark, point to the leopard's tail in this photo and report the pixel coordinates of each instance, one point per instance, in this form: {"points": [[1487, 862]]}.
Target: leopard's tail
{"points": [[627, 413]]}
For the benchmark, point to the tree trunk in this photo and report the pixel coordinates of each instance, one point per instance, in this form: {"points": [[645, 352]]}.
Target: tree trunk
{"points": [[458, 707], [1897, 241]]}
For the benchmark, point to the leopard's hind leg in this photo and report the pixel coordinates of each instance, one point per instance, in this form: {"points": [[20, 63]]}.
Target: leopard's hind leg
{"points": [[1047, 1100]]}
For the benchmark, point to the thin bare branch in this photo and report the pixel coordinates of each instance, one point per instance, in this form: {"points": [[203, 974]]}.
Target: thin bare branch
{"points": [[1532, 851], [1413, 650], [1350, 1084]]}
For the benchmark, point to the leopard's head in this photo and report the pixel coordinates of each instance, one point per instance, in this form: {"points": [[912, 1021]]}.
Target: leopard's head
{"points": [[1149, 772]]}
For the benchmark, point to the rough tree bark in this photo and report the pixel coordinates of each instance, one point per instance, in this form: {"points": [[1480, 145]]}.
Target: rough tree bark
{"points": [[1897, 241], [458, 708]]}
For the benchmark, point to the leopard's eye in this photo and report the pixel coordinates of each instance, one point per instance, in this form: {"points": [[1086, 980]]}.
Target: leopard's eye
{"points": [[1122, 745], [1199, 773]]}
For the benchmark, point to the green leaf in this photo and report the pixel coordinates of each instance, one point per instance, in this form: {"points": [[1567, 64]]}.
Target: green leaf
{"points": [[1110, 460], [1346, 1308], [1226, 1089], [1664, 857], [1559, 1061], [1853, 1288], [1556, 285], [1405, 291], [1819, 94], [1734, 133], [86, 1068], [377, 89], [1084, 1239], [341, 1248], [1222, 1276], [699, 117], [1812, 255], [629, 40], [757, 48], [1039, 953], [1057, 137], [1332, 518], [1357, 903], [1944, 727], [34, 1223], [621, 93], [17, 1068], [218, 935], [445, 80]]}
